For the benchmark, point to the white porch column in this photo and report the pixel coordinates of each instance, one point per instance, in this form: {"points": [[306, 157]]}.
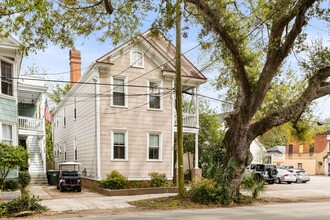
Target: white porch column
{"points": [[196, 151], [197, 105]]}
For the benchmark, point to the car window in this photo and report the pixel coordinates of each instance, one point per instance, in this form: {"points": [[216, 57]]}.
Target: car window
{"points": [[260, 167]]}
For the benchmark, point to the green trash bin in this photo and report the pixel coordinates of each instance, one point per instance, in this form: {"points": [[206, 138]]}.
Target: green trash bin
{"points": [[52, 177]]}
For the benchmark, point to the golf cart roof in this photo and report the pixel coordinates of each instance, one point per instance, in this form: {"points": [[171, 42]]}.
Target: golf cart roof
{"points": [[69, 164]]}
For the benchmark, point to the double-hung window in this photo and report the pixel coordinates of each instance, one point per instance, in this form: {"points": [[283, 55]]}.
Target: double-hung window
{"points": [[64, 117], [74, 108], [7, 134], [137, 59], [154, 146], [155, 94], [75, 150], [64, 150], [119, 145], [6, 78], [119, 92]]}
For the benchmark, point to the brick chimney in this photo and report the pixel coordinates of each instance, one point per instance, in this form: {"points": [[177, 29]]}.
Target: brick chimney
{"points": [[75, 66]]}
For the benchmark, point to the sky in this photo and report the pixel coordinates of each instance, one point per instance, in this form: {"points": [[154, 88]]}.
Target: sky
{"points": [[54, 61]]}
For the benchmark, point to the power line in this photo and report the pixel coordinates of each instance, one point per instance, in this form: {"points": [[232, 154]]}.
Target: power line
{"points": [[269, 17], [318, 28], [80, 82]]}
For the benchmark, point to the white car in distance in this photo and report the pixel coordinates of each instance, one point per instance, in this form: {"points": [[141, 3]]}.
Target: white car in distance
{"points": [[285, 176]]}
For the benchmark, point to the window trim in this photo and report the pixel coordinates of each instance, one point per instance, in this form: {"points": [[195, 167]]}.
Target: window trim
{"points": [[13, 71], [64, 118], [112, 86], [74, 109], [290, 150], [64, 150], [134, 63], [161, 95], [160, 145], [112, 144], [12, 133], [75, 150]]}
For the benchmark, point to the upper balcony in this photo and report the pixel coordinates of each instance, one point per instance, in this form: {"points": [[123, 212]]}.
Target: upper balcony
{"points": [[30, 99], [190, 111], [189, 120], [30, 126]]}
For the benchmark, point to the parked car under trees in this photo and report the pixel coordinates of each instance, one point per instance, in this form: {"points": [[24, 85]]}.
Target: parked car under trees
{"points": [[285, 176], [302, 175]]}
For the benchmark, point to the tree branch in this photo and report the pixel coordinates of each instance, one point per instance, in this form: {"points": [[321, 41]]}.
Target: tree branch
{"points": [[316, 88], [277, 53], [213, 20]]}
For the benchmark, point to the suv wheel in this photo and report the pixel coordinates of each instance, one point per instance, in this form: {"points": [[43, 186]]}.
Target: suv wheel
{"points": [[272, 172]]}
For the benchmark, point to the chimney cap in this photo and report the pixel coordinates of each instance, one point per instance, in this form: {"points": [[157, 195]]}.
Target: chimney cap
{"points": [[74, 53]]}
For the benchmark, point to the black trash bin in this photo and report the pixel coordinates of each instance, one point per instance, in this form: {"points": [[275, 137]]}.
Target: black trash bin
{"points": [[52, 177]]}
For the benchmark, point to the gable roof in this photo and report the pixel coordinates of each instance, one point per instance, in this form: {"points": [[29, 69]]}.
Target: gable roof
{"points": [[165, 51], [9, 43]]}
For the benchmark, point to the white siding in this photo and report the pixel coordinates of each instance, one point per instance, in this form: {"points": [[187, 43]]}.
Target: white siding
{"points": [[137, 120], [82, 128]]}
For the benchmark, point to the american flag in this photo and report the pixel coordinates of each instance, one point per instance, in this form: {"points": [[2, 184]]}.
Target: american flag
{"points": [[48, 116]]}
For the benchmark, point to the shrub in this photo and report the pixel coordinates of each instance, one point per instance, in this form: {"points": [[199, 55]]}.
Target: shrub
{"points": [[22, 203], [11, 157], [204, 191], [114, 180], [24, 179], [135, 184], [10, 185], [251, 184], [158, 179]]}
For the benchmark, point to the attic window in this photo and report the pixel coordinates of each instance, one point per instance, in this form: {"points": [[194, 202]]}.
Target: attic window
{"points": [[137, 59]]}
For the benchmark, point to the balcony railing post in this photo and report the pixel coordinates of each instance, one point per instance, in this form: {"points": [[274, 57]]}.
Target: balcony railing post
{"points": [[27, 123]]}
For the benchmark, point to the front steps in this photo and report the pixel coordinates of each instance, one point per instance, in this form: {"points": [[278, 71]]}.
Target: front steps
{"points": [[38, 178]]}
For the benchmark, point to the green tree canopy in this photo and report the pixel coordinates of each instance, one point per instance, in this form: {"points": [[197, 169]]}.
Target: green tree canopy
{"points": [[250, 40]]}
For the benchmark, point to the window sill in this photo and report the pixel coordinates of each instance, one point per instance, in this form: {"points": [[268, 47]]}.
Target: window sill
{"points": [[119, 106], [119, 160], [155, 109], [151, 160], [10, 97], [137, 67]]}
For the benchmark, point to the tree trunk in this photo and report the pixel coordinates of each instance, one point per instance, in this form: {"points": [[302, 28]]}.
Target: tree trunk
{"points": [[238, 155]]}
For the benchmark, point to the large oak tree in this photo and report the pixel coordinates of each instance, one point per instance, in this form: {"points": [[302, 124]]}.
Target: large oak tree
{"points": [[251, 40]]}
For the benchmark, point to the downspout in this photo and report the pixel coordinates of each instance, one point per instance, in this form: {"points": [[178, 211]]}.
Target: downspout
{"points": [[97, 123]]}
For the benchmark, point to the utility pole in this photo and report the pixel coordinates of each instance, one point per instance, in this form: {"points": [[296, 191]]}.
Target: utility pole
{"points": [[179, 99]]}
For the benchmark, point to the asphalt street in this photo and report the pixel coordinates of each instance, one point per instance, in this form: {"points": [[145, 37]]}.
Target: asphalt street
{"points": [[308, 201], [307, 210]]}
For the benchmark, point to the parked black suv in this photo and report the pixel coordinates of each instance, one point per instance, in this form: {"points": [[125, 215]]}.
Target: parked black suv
{"points": [[69, 177], [263, 172]]}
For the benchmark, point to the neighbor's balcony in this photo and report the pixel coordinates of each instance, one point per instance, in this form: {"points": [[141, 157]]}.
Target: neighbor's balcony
{"points": [[30, 124], [189, 120]]}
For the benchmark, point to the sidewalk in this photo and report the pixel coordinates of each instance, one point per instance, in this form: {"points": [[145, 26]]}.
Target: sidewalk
{"points": [[86, 200]]}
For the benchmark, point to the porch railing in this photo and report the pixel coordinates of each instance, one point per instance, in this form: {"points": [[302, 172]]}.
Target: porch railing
{"points": [[32, 124], [189, 120]]}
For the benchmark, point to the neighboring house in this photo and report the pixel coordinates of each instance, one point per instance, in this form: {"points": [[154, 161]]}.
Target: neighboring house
{"points": [[314, 158], [120, 115], [21, 108], [277, 155], [258, 152]]}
